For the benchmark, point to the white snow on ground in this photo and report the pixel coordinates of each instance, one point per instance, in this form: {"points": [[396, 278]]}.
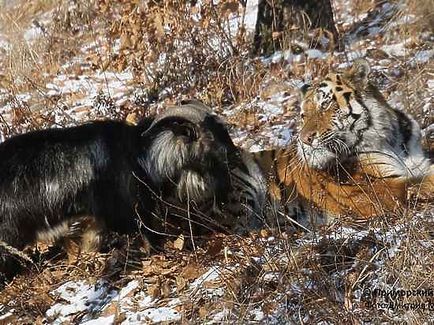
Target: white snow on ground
{"points": [[78, 297], [33, 33], [115, 85], [155, 315], [141, 307], [132, 301], [251, 15], [211, 275], [4, 44], [423, 56], [246, 18], [273, 136], [288, 56], [101, 321], [277, 127], [398, 49], [138, 307], [4, 315]]}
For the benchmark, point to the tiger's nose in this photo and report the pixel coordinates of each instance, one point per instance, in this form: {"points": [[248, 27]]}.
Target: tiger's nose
{"points": [[308, 137]]}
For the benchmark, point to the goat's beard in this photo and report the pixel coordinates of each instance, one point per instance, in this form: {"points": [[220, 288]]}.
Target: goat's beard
{"points": [[190, 181], [193, 186], [190, 171]]}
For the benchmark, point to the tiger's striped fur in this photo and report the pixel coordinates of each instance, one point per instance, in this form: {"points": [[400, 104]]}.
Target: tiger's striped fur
{"points": [[354, 155]]}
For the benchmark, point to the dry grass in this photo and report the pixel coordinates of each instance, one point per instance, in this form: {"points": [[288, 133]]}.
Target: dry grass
{"points": [[289, 277], [27, 54]]}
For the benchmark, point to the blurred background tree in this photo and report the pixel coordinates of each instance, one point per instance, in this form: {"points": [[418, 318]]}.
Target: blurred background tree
{"points": [[280, 22]]}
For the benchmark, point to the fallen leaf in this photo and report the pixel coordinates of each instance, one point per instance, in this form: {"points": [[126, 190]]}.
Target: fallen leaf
{"points": [[165, 290], [112, 309], [264, 233], [170, 270], [179, 243], [215, 247], [131, 118], [180, 283], [154, 291], [203, 312], [191, 272]]}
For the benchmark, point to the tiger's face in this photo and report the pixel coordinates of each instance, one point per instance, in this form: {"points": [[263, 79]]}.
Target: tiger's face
{"points": [[333, 118]]}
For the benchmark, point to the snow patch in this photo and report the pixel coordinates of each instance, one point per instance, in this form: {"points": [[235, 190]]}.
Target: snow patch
{"points": [[154, 315], [79, 297], [423, 56], [397, 49], [33, 33], [4, 44], [211, 275], [101, 321]]}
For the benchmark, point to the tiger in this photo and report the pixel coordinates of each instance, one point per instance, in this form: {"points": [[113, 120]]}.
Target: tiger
{"points": [[354, 155]]}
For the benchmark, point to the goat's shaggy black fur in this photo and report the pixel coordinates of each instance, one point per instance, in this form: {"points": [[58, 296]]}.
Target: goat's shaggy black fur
{"points": [[49, 176], [111, 171]]}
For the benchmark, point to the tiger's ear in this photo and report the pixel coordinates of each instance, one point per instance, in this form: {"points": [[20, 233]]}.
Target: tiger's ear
{"points": [[359, 71], [303, 89]]}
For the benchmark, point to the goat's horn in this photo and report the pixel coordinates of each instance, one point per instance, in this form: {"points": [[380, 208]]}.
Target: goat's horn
{"points": [[197, 104], [194, 111]]}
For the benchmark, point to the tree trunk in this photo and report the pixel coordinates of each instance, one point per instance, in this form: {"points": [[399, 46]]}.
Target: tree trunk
{"points": [[282, 21]]}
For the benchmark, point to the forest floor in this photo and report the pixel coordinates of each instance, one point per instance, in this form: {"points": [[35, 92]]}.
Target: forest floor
{"points": [[66, 62]]}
